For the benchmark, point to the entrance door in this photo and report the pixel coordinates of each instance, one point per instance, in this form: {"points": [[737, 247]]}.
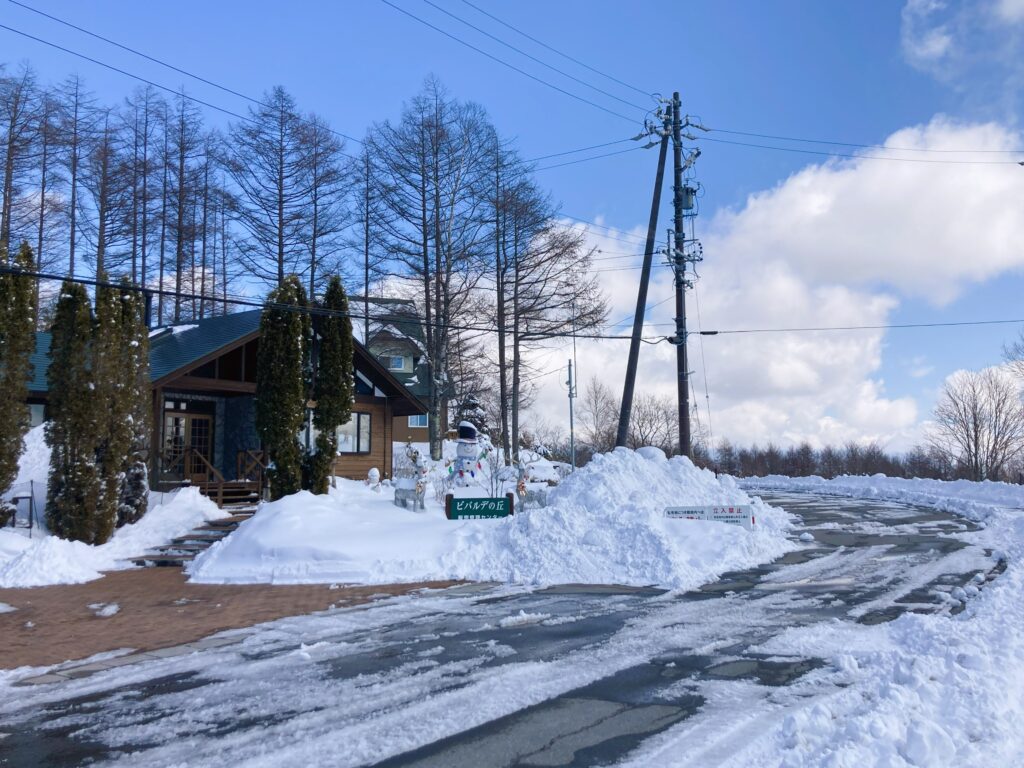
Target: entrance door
{"points": [[188, 446]]}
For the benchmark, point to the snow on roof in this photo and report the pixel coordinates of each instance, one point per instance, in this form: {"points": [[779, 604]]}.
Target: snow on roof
{"points": [[171, 329]]}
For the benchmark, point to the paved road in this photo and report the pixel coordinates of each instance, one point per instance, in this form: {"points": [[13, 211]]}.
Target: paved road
{"points": [[487, 676]]}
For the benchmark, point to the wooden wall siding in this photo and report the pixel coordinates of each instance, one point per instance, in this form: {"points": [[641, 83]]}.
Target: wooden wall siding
{"points": [[403, 432], [355, 465]]}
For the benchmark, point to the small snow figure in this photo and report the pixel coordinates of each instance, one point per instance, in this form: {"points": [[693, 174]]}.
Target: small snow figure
{"points": [[466, 452], [373, 479], [410, 479]]}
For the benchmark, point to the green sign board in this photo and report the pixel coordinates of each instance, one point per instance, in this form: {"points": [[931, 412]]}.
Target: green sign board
{"points": [[463, 509]]}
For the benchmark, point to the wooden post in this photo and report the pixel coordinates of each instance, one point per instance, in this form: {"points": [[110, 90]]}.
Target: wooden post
{"points": [[156, 438]]}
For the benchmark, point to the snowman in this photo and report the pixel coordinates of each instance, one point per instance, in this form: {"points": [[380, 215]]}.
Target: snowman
{"points": [[467, 449]]}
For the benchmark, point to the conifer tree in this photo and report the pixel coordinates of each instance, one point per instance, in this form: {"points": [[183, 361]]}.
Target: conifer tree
{"points": [[334, 383], [134, 495], [110, 400], [17, 340], [74, 488], [281, 383]]}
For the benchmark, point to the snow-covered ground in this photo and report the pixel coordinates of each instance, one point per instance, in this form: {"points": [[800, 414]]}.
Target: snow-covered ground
{"points": [[48, 559], [605, 523], [923, 690], [44, 559]]}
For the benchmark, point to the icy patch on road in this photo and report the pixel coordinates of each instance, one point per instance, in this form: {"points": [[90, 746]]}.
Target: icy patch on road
{"points": [[921, 690], [605, 524], [522, 618]]}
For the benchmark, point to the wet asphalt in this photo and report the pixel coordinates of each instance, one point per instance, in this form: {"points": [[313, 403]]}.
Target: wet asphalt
{"points": [[875, 552]]}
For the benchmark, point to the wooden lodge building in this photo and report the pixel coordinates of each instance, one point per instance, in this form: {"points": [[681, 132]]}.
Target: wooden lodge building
{"points": [[204, 393]]}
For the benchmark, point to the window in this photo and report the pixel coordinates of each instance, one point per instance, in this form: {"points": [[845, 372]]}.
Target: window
{"points": [[36, 414], [418, 421], [395, 362], [354, 437]]}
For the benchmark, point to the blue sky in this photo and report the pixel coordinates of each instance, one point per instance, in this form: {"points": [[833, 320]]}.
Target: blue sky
{"points": [[854, 72]]}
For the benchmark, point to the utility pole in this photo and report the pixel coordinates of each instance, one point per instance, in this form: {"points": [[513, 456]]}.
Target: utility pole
{"points": [[682, 200], [572, 424], [626, 407], [678, 236]]}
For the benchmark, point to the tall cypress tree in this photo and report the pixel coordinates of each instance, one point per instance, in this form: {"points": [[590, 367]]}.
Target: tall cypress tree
{"points": [[114, 435], [134, 496], [74, 488], [17, 340], [334, 383], [281, 383]]}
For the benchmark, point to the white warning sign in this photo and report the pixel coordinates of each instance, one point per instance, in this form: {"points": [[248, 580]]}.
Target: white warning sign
{"points": [[734, 515]]}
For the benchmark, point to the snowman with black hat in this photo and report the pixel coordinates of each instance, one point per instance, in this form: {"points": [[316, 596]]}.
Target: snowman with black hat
{"points": [[467, 449]]}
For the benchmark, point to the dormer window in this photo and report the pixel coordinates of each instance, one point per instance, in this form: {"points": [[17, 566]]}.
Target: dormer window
{"points": [[394, 362]]}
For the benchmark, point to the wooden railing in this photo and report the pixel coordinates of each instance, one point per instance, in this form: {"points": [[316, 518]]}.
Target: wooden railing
{"points": [[187, 461], [251, 465]]}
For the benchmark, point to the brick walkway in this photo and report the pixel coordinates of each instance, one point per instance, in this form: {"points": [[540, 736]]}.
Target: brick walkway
{"points": [[158, 609]]}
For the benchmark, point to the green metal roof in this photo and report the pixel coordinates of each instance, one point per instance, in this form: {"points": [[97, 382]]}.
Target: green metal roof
{"points": [[170, 349], [40, 360], [178, 347]]}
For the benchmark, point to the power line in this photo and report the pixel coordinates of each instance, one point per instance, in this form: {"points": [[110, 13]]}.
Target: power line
{"points": [[308, 310], [574, 151], [182, 94], [162, 63], [588, 159], [883, 326], [248, 118], [521, 52], [606, 227], [704, 367], [864, 146], [224, 110], [859, 157], [555, 50], [343, 135], [501, 61]]}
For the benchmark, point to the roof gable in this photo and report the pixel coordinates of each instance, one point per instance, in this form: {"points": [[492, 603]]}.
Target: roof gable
{"points": [[171, 349], [177, 349]]}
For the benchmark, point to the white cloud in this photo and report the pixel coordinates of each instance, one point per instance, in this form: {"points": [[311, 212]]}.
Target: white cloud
{"points": [[924, 41], [836, 244], [1010, 10], [928, 229], [973, 46]]}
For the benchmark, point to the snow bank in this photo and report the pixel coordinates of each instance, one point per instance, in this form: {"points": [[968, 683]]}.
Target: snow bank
{"points": [[33, 469], [924, 689], [604, 524], [34, 462], [52, 560], [46, 559]]}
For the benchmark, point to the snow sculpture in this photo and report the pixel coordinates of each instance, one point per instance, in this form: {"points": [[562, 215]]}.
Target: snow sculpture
{"points": [[411, 479], [373, 479], [467, 454]]}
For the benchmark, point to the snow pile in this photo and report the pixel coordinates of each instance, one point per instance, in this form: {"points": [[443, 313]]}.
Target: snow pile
{"points": [[604, 524], [34, 462], [924, 689], [104, 610], [33, 469], [52, 560]]}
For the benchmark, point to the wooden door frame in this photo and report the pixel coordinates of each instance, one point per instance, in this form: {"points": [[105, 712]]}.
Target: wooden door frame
{"points": [[187, 473]]}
